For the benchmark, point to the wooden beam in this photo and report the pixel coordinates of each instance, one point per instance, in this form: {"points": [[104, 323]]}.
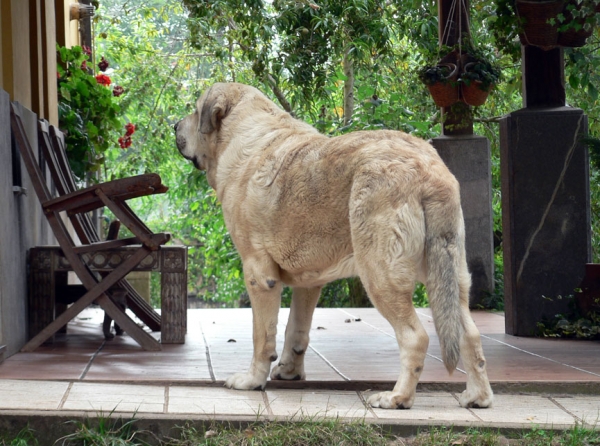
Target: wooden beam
{"points": [[543, 77]]}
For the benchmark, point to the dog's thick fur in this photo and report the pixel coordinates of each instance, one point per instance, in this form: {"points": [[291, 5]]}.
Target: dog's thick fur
{"points": [[304, 209]]}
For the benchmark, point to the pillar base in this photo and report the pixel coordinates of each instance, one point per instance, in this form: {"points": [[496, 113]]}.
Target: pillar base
{"points": [[468, 158]]}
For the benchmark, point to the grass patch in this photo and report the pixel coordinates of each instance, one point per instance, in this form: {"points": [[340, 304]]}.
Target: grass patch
{"points": [[296, 433], [311, 432]]}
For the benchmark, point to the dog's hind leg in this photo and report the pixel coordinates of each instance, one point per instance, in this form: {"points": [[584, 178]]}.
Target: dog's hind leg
{"points": [[478, 393], [264, 287], [291, 366], [394, 302]]}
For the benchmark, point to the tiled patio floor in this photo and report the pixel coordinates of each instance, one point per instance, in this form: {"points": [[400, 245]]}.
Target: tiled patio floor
{"points": [[353, 351], [349, 348]]}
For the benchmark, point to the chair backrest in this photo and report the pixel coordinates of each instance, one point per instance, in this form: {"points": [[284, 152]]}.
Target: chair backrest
{"points": [[27, 155], [52, 144]]}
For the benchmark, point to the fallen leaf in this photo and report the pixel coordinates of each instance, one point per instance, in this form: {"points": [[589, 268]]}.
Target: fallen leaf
{"points": [[321, 328], [232, 340], [348, 321], [210, 433]]}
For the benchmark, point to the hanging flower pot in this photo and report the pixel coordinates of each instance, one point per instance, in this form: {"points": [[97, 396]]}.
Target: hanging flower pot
{"points": [[473, 93], [442, 82], [576, 34], [536, 19], [476, 81]]}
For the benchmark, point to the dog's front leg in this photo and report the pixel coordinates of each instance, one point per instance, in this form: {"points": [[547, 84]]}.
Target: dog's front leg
{"points": [[291, 366], [264, 289]]}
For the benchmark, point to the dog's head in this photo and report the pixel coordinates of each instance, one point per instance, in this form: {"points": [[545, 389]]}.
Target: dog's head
{"points": [[196, 134]]}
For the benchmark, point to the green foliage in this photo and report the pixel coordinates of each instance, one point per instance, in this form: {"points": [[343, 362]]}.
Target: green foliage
{"points": [[102, 432], [25, 437], [88, 112], [433, 74], [164, 56], [571, 325]]}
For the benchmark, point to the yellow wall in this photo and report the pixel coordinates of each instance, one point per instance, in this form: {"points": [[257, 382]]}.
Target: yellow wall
{"points": [[29, 31]]}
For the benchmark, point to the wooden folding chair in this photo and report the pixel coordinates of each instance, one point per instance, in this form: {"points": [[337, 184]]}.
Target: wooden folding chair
{"points": [[111, 194], [51, 141]]}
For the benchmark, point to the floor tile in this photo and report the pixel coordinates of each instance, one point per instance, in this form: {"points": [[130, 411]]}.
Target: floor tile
{"points": [[586, 408], [106, 398], [34, 395], [435, 406], [301, 404], [215, 401], [525, 410]]}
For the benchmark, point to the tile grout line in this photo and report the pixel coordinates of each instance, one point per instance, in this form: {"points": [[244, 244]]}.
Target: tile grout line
{"points": [[265, 398], [329, 363], [528, 352], [63, 400], [166, 403], [393, 337], [361, 397], [208, 358], [89, 364], [467, 408], [540, 356], [560, 406]]}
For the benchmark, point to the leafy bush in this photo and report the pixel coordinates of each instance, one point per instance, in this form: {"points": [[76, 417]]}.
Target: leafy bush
{"points": [[88, 111]]}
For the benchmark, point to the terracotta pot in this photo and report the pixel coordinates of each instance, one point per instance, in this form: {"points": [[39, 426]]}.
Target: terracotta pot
{"points": [[473, 95], [445, 93], [535, 16]]}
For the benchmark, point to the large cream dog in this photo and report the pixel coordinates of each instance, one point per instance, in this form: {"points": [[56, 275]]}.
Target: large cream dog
{"points": [[304, 209]]}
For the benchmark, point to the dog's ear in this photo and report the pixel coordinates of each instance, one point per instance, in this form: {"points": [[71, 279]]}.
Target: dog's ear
{"points": [[214, 110]]}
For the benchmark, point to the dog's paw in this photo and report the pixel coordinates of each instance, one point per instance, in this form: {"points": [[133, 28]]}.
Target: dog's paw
{"points": [[287, 373], [390, 400], [480, 400], [245, 381]]}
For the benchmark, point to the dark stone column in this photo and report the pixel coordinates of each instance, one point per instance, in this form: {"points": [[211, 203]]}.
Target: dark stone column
{"points": [[545, 212]]}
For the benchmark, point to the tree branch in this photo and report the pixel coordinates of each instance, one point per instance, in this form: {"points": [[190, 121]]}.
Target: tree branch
{"points": [[272, 83]]}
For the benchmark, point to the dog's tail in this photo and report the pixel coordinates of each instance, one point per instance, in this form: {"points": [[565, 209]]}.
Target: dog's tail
{"points": [[448, 279]]}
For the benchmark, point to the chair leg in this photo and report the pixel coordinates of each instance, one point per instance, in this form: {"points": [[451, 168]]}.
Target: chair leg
{"points": [[173, 295], [108, 305]]}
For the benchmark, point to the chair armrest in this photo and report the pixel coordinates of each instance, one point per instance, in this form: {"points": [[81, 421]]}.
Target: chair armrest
{"points": [[157, 239], [85, 200]]}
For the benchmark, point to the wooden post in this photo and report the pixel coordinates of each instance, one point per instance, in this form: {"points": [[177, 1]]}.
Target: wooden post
{"points": [[543, 77]]}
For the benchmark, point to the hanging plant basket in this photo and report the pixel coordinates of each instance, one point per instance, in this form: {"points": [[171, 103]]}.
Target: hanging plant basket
{"points": [[442, 83], [474, 93], [535, 17], [573, 38], [477, 81], [575, 35]]}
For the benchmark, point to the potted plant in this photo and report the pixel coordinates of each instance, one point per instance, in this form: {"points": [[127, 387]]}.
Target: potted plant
{"points": [[478, 78], [442, 82], [577, 22], [537, 20], [544, 23]]}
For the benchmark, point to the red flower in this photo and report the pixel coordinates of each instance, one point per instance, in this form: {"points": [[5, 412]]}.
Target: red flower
{"points": [[129, 129], [103, 79], [84, 66], [87, 50], [103, 64], [125, 141], [118, 90]]}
